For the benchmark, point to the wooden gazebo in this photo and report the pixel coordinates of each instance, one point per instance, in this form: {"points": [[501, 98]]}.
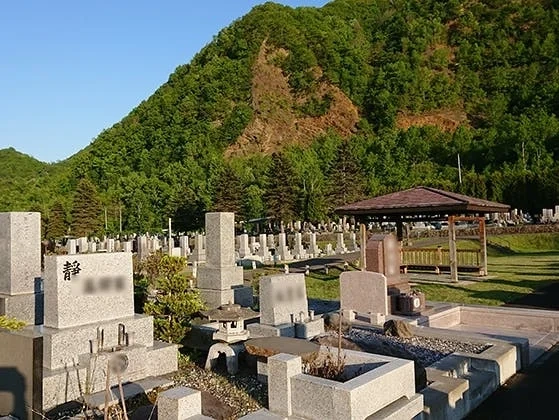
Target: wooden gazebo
{"points": [[426, 204]]}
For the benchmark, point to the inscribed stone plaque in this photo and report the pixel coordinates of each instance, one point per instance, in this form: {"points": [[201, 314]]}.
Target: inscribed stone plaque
{"points": [[83, 289], [282, 296], [363, 292], [20, 252]]}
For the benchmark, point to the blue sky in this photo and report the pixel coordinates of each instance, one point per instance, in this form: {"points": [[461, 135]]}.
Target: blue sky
{"points": [[69, 69]]}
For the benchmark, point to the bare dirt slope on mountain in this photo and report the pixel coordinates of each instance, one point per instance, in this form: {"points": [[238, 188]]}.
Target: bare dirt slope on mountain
{"points": [[444, 119], [278, 120]]}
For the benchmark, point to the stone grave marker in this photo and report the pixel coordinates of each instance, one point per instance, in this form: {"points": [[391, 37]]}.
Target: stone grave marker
{"points": [[340, 245], [71, 246], [220, 281], [20, 266], [299, 250], [383, 256], [314, 250], [244, 249], [81, 289], [364, 292], [263, 251], [284, 308]]}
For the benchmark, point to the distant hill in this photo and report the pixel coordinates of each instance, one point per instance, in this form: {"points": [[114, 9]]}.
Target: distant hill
{"points": [[19, 173], [398, 87], [18, 165]]}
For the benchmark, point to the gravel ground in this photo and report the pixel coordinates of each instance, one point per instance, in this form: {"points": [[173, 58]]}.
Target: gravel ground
{"points": [[425, 350], [231, 397]]}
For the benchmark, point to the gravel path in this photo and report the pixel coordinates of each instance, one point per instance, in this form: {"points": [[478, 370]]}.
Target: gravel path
{"points": [[426, 350]]}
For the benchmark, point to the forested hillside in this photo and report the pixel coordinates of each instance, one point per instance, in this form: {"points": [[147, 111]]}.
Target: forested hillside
{"points": [[292, 112]]}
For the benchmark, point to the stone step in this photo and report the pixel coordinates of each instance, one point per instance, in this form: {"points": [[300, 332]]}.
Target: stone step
{"points": [[402, 408], [481, 385], [130, 389]]}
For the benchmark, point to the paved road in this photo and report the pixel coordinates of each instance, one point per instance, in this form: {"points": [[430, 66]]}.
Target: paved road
{"points": [[532, 393]]}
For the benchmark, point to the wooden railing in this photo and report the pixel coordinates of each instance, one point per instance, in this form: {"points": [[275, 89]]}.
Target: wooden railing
{"points": [[438, 257]]}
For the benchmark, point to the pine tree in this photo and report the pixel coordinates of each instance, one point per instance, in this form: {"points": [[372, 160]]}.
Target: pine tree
{"points": [[281, 196], [173, 301], [229, 192], [57, 226], [347, 181], [87, 210]]}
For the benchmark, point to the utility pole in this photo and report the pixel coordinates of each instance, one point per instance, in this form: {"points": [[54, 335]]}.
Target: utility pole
{"points": [[459, 171]]}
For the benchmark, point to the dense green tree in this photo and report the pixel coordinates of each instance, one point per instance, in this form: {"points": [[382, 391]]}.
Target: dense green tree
{"points": [[86, 210], [347, 180], [281, 197], [229, 193], [57, 226]]}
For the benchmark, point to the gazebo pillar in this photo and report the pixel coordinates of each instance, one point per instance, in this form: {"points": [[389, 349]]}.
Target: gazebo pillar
{"points": [[400, 230], [452, 249], [363, 237], [483, 244]]}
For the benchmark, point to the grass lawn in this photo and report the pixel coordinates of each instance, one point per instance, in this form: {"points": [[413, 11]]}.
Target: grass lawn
{"points": [[324, 286], [518, 264], [510, 277]]}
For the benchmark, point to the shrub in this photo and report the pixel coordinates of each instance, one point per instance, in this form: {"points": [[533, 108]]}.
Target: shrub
{"points": [[170, 299]]}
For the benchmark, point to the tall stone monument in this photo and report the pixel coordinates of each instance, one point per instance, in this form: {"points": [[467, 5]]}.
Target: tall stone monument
{"points": [[220, 281], [20, 266]]}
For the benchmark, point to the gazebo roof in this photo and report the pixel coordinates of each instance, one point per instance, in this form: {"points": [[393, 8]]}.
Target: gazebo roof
{"points": [[421, 201]]}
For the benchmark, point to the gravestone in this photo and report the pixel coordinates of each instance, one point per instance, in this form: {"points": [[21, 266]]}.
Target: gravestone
{"points": [[89, 322], [314, 250], [83, 245], [143, 247], [244, 248], [263, 251], [154, 245], [299, 250], [97, 286], [284, 308], [199, 253], [271, 242], [383, 256], [127, 246], [340, 245], [220, 281], [110, 245], [364, 292], [283, 250], [282, 298], [353, 242], [20, 266], [254, 245], [185, 248], [71, 246]]}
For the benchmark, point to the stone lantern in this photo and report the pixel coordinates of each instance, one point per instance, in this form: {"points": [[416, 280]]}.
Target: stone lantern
{"points": [[231, 318]]}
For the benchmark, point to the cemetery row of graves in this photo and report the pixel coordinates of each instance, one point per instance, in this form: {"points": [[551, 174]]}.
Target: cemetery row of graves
{"points": [[291, 327]]}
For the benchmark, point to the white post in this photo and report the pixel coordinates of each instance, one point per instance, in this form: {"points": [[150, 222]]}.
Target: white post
{"points": [[170, 243]]}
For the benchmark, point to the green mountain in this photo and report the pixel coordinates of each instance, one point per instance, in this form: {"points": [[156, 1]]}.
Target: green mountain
{"points": [[357, 97], [20, 177]]}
